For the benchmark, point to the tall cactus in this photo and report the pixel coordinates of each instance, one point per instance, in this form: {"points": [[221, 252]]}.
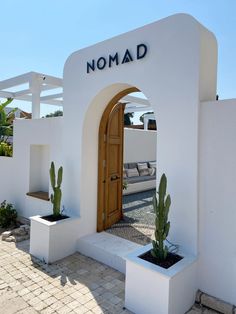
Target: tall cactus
{"points": [[161, 206], [56, 196]]}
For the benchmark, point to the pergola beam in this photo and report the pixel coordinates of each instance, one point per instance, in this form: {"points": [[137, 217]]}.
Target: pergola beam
{"points": [[52, 96], [16, 81], [137, 100], [54, 102], [4, 94], [39, 82], [138, 109]]}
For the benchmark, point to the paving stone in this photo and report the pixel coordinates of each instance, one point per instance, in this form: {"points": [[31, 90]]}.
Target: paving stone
{"points": [[82, 310], [40, 306], [64, 310], [12, 305], [28, 310]]}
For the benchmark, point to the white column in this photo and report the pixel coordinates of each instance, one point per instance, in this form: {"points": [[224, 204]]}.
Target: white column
{"points": [[35, 87], [145, 122]]}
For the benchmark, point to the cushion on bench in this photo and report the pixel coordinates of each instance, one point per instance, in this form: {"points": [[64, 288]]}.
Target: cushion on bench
{"points": [[139, 179]]}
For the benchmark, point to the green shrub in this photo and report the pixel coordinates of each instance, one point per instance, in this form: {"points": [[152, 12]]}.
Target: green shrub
{"points": [[5, 149], [8, 215]]}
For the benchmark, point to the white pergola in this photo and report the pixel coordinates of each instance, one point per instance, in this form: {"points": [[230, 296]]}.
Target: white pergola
{"points": [[32, 86], [36, 85]]}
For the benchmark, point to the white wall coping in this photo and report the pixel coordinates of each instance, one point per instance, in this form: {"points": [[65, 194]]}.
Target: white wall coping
{"points": [[39, 219], [172, 271]]}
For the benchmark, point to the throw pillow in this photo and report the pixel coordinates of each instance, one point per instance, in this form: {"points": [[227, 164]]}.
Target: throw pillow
{"points": [[152, 164], [152, 171], [144, 172], [143, 169], [142, 165], [132, 172]]}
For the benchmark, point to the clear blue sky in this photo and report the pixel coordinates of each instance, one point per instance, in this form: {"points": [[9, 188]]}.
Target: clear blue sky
{"points": [[40, 35]]}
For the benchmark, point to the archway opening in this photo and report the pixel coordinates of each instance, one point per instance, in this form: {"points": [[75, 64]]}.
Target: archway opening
{"points": [[127, 167]]}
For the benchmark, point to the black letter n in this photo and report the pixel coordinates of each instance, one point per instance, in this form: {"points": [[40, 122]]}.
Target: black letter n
{"points": [[91, 66]]}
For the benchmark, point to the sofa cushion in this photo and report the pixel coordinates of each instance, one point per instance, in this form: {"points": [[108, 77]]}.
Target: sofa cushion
{"points": [[143, 168], [132, 172], [151, 171], [132, 165], [142, 165], [152, 164], [131, 180]]}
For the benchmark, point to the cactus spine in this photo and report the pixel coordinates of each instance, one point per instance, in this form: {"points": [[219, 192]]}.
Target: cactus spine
{"points": [[56, 196], [161, 206]]}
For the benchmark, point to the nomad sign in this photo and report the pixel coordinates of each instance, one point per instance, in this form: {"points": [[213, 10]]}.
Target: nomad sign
{"points": [[117, 58]]}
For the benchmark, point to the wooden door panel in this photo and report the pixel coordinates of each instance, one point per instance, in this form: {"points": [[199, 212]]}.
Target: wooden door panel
{"points": [[114, 168], [114, 161], [114, 123], [112, 197], [103, 218]]}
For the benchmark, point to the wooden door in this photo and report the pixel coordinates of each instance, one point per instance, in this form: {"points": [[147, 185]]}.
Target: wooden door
{"points": [[110, 182]]}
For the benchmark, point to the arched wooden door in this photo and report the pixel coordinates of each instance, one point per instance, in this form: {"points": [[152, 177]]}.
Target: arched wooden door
{"points": [[110, 167]]}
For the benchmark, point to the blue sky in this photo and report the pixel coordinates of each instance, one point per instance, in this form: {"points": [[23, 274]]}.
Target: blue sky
{"points": [[40, 35]]}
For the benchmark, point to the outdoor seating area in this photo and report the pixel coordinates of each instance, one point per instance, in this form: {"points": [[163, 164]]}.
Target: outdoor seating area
{"points": [[139, 176]]}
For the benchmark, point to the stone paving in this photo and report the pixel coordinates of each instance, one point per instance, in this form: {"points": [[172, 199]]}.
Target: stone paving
{"points": [[76, 284], [138, 221]]}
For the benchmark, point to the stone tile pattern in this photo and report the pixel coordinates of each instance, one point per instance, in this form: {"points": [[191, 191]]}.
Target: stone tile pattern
{"points": [[138, 223], [76, 284]]}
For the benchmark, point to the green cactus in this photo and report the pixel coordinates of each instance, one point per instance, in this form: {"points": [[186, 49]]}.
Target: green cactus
{"points": [[56, 197], [161, 206]]}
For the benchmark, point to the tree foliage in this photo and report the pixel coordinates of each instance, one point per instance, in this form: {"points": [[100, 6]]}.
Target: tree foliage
{"points": [[57, 113], [127, 118], [6, 126]]}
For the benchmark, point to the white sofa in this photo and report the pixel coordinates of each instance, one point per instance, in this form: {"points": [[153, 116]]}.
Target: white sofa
{"points": [[138, 183]]}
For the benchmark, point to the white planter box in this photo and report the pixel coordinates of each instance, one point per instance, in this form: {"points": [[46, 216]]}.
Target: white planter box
{"points": [[51, 241], [151, 289]]}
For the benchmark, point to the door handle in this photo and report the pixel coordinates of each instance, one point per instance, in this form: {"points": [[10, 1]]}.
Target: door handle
{"points": [[114, 177]]}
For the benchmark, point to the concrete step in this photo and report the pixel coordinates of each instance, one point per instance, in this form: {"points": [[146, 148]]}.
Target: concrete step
{"points": [[107, 248]]}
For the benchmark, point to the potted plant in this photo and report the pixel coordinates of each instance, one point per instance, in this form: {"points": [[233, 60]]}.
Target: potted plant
{"points": [[53, 237], [158, 280], [56, 195]]}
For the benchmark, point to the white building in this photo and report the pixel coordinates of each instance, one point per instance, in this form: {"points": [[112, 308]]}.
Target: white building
{"points": [[174, 63]]}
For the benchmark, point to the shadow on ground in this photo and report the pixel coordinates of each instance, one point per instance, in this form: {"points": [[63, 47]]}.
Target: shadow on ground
{"points": [[138, 220]]}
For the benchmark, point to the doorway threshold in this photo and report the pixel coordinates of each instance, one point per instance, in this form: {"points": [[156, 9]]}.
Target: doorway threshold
{"points": [[107, 248]]}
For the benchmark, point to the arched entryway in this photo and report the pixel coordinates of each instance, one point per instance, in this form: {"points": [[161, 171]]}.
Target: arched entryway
{"points": [[110, 162]]}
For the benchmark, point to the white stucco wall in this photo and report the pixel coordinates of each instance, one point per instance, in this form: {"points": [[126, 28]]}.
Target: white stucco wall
{"points": [[139, 145], [217, 209], [169, 76], [7, 191], [15, 172]]}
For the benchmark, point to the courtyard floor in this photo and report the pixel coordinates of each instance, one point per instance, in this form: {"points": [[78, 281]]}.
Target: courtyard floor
{"points": [[76, 284]]}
